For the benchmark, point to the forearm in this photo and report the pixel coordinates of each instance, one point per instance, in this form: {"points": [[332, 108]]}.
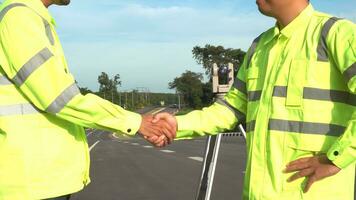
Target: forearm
{"points": [[95, 112], [208, 121]]}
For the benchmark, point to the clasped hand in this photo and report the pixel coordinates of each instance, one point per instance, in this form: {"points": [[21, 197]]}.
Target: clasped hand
{"points": [[159, 130]]}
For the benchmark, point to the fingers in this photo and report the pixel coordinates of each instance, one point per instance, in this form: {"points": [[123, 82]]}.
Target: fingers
{"points": [[168, 135], [310, 182], [300, 160], [149, 129], [314, 168], [145, 127], [159, 142], [164, 126], [167, 124], [297, 166], [162, 142], [168, 118], [168, 131], [159, 116], [300, 174]]}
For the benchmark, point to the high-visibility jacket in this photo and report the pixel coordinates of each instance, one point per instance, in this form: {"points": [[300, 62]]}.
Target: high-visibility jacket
{"points": [[296, 90], [43, 147]]}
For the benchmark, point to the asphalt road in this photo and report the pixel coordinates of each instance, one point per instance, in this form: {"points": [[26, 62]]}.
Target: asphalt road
{"points": [[131, 169]]}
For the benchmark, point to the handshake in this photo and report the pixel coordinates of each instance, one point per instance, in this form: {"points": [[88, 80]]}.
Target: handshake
{"points": [[159, 129]]}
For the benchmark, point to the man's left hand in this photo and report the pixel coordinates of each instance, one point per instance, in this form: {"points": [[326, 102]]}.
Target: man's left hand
{"points": [[315, 168]]}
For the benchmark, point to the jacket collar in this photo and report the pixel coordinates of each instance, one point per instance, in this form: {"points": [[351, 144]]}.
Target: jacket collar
{"points": [[299, 23]]}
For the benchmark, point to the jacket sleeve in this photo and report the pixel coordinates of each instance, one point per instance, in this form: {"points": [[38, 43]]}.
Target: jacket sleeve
{"points": [[341, 43], [223, 115], [33, 64]]}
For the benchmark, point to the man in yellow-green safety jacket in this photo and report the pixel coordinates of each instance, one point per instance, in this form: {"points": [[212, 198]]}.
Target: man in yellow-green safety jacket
{"points": [[43, 147], [296, 91]]}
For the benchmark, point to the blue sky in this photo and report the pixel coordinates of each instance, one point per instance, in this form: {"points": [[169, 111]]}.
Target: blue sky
{"points": [[149, 42]]}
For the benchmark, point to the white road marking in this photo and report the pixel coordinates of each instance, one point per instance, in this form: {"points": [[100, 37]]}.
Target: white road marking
{"points": [[135, 144], [157, 111], [89, 133], [148, 147], [92, 146], [200, 159], [126, 142], [114, 135], [167, 151]]}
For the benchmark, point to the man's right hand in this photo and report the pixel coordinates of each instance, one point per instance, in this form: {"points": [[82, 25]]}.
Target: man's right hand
{"points": [[159, 133]]}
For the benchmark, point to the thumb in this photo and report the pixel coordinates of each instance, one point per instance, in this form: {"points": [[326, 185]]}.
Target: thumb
{"points": [[158, 117]]}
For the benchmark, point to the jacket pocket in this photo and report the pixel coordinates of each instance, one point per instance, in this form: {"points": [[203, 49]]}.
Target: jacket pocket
{"points": [[252, 73], [296, 81], [326, 189], [253, 83], [300, 146]]}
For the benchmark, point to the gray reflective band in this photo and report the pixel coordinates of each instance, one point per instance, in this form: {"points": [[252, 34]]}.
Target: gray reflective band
{"points": [[34, 63], [254, 95], [280, 91], [252, 50], [9, 7], [250, 126], [240, 86], [322, 49], [68, 94], [329, 95], [350, 72], [320, 94], [239, 115], [306, 127], [48, 31], [18, 109], [4, 81]]}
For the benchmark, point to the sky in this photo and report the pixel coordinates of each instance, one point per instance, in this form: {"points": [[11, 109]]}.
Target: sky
{"points": [[149, 42]]}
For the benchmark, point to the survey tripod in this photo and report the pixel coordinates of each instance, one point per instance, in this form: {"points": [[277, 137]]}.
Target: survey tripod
{"points": [[223, 78]]}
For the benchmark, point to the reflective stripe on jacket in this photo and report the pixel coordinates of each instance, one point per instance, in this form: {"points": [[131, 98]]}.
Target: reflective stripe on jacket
{"points": [[296, 90], [43, 147]]}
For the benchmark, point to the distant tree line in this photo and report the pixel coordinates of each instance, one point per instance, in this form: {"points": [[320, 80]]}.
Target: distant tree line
{"points": [[190, 87], [131, 100]]}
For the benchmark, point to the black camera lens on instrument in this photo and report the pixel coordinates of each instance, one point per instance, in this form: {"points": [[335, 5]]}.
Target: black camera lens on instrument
{"points": [[223, 74]]}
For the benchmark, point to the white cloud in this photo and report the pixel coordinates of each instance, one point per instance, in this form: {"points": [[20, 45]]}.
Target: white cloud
{"points": [[146, 11], [135, 22]]}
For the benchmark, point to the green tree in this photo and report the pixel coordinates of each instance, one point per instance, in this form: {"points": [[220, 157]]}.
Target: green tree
{"points": [[108, 87], [211, 54], [190, 85], [207, 97]]}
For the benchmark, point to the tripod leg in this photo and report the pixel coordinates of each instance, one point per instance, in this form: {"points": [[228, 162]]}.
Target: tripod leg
{"points": [[242, 130], [208, 167]]}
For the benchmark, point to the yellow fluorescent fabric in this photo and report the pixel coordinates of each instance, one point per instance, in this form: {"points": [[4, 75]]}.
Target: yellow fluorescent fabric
{"points": [[43, 147], [297, 87]]}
